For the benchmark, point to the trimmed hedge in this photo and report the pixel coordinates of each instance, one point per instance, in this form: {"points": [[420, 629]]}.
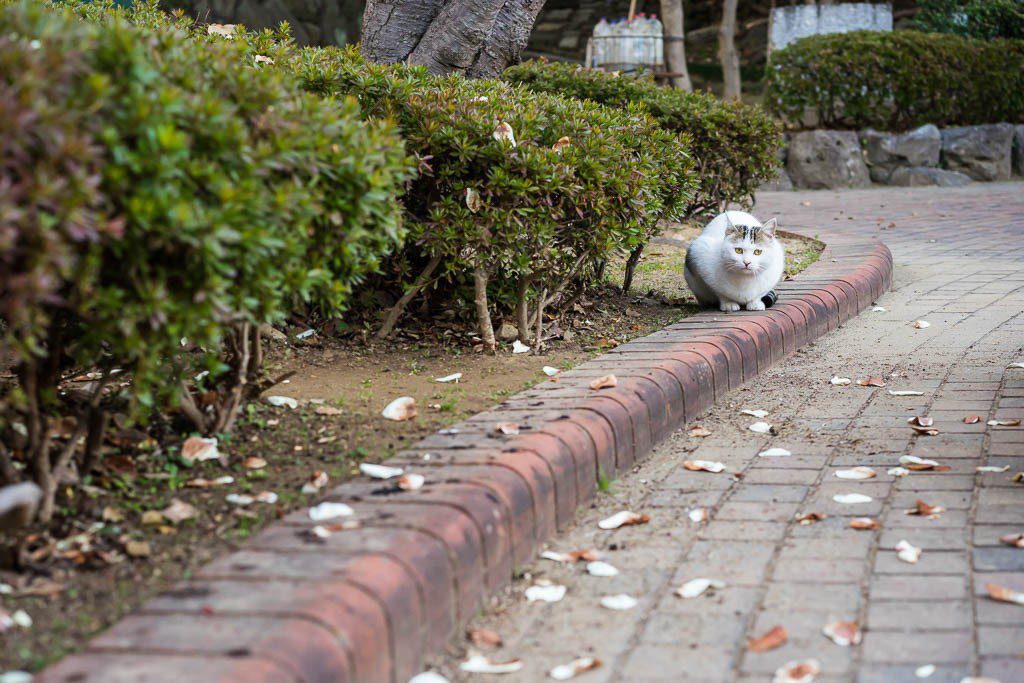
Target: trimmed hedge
{"points": [[580, 182], [897, 80], [984, 19], [164, 190], [733, 145]]}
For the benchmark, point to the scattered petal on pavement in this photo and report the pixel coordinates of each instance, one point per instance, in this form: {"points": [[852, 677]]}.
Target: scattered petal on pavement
{"points": [[774, 638], [624, 518], [618, 602]]}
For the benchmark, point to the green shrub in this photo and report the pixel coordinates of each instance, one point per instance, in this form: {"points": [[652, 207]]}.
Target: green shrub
{"points": [[897, 80], [167, 189], [985, 19], [547, 211], [733, 144]]}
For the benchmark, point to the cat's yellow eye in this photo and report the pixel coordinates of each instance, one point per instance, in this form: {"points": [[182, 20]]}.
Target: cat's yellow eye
{"points": [[757, 252], [738, 250]]}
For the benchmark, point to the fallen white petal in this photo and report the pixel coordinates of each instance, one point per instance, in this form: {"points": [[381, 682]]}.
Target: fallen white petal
{"points": [[924, 671], [704, 466], [552, 593], [696, 587], [840, 381], [618, 602], [698, 515], [851, 498], [906, 392], [519, 347], [550, 371], [328, 510], [402, 408], [992, 468], [907, 553], [239, 499], [411, 481], [22, 619], [428, 677], [898, 471], [921, 324], [755, 413], [449, 378], [797, 671], [878, 309], [857, 473], [599, 568], [478, 664], [283, 401], [1018, 364], [564, 672], [196, 448], [775, 453], [268, 497], [760, 427], [15, 677], [380, 471], [554, 557]]}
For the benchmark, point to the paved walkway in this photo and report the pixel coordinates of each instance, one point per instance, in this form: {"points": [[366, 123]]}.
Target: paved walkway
{"points": [[959, 257]]}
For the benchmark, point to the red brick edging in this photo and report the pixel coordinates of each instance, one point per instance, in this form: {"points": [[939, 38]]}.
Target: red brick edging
{"points": [[371, 604]]}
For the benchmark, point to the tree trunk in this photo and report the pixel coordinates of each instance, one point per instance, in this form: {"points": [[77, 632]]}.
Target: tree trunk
{"points": [[476, 37], [631, 263], [675, 44], [727, 54], [522, 309], [483, 315]]}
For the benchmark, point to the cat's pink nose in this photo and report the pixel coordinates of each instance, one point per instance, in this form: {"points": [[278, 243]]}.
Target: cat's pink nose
{"points": [[746, 264]]}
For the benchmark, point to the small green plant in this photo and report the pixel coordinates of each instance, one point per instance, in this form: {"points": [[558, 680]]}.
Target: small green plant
{"points": [[604, 484]]}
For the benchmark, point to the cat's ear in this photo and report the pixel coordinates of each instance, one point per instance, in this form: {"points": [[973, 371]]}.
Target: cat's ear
{"points": [[731, 229], [769, 228]]}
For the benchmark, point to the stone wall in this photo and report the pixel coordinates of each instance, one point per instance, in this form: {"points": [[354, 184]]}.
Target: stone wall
{"points": [[830, 159], [790, 24]]}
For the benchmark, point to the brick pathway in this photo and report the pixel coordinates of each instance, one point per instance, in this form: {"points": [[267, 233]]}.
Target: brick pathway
{"points": [[959, 258]]}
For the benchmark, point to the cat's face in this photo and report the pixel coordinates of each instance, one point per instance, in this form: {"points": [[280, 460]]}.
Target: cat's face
{"points": [[746, 248]]}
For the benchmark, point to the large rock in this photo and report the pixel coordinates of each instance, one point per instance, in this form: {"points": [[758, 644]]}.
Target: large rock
{"points": [[920, 176], [982, 152], [1018, 150], [826, 159], [781, 181], [885, 152]]}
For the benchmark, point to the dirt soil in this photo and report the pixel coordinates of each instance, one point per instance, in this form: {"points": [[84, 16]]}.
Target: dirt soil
{"points": [[111, 548]]}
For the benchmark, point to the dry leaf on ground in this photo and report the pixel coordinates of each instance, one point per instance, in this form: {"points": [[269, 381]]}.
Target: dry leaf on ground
{"points": [[704, 466], [561, 143], [179, 511], [908, 553], [201, 483], [925, 510], [698, 432], [606, 382], [1015, 540], [864, 523], [402, 408], [564, 672], [1004, 594], [479, 664], [198, 449], [624, 518], [484, 637], [776, 637], [810, 518], [797, 671], [972, 419], [549, 593], [137, 549], [328, 410], [857, 473], [411, 481], [507, 428], [843, 633], [254, 463], [696, 587]]}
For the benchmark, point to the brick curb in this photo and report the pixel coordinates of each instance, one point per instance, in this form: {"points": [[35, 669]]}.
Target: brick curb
{"points": [[372, 604]]}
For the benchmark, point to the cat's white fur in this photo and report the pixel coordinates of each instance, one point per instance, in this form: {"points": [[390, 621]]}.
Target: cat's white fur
{"points": [[720, 276]]}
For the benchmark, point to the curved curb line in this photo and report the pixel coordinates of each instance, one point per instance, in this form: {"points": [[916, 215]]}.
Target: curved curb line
{"points": [[372, 604]]}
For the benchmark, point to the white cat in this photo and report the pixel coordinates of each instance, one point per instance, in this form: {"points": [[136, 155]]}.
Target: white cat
{"points": [[735, 262]]}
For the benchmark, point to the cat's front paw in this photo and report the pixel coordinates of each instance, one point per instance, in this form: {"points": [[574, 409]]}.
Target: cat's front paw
{"points": [[757, 305], [729, 306]]}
